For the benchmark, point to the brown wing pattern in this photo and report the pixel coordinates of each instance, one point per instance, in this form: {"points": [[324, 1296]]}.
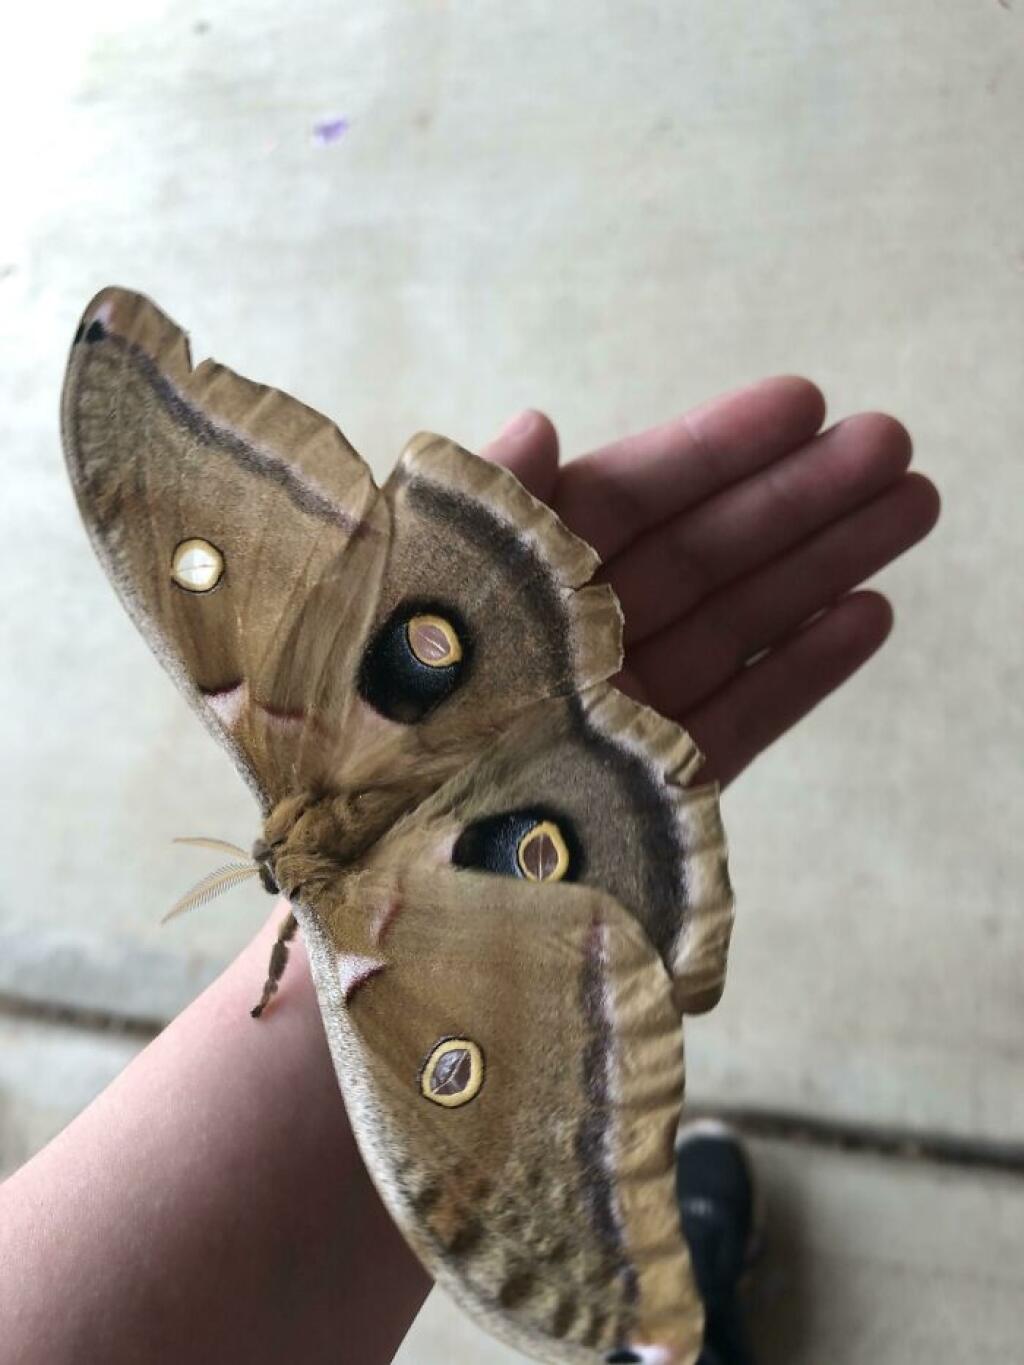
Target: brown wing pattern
{"points": [[469, 544], [314, 563], [161, 454], [545, 1204], [617, 771]]}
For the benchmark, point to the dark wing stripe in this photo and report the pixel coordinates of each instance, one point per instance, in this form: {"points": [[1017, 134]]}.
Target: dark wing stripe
{"points": [[524, 566], [657, 823], [261, 463]]}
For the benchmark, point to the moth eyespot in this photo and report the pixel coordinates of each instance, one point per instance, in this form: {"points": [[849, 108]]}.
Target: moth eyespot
{"points": [[197, 566], [416, 660], [535, 844], [542, 855], [433, 640], [452, 1073]]}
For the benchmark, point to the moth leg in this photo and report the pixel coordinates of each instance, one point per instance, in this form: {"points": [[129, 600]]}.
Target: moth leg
{"points": [[278, 962]]}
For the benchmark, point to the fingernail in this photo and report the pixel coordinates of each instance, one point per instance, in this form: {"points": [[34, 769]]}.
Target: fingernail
{"points": [[517, 426]]}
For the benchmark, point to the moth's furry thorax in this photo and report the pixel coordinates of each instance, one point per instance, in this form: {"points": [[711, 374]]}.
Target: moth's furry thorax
{"points": [[312, 838]]}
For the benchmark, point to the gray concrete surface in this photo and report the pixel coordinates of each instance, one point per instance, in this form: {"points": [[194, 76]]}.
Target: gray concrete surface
{"points": [[48, 1072], [611, 212]]}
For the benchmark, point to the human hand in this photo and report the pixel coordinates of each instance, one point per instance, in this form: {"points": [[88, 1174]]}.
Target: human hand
{"points": [[735, 537]]}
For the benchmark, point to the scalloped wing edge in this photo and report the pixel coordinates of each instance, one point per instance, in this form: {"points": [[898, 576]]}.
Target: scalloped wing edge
{"points": [[435, 457], [595, 615], [698, 953]]}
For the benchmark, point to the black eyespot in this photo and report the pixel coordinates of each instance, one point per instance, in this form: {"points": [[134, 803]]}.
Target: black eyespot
{"points": [[416, 660], [96, 331], [536, 844]]}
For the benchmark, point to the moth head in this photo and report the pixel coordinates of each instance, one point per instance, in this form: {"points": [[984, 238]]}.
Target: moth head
{"points": [[262, 854]]}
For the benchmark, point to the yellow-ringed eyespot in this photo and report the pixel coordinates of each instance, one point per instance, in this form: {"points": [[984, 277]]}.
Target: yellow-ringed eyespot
{"points": [[452, 1073], [434, 641], [535, 843], [196, 565], [416, 660], [542, 853]]}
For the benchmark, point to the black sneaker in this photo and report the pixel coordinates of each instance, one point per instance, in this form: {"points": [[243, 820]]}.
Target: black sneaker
{"points": [[717, 1207]]}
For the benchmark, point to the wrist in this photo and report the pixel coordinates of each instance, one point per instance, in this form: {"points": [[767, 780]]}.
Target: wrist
{"points": [[211, 1200]]}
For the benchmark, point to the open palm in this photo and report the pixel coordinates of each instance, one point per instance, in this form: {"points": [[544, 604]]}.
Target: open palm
{"points": [[735, 537]]}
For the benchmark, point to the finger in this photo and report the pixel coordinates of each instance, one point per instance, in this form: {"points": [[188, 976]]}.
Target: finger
{"points": [[691, 658], [669, 571], [770, 696], [528, 446], [618, 492]]}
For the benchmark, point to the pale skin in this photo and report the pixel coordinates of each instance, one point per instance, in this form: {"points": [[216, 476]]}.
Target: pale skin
{"points": [[210, 1205]]}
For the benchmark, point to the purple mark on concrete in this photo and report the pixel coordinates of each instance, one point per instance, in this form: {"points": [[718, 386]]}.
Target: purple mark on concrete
{"points": [[328, 130]]}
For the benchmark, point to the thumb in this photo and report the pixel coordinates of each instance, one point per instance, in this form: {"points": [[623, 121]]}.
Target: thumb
{"points": [[528, 446]]}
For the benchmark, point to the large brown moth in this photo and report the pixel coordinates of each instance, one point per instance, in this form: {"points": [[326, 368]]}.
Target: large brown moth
{"points": [[508, 892]]}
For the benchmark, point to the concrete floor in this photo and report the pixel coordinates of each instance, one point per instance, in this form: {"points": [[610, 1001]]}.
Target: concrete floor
{"points": [[611, 212]]}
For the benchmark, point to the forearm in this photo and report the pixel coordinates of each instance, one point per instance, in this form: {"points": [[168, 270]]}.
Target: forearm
{"points": [[210, 1205]]}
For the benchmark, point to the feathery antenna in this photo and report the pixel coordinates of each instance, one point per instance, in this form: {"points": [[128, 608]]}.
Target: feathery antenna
{"points": [[214, 883], [218, 845]]}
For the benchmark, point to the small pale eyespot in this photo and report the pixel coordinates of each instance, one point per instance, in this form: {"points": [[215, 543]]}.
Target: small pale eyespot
{"points": [[542, 853], [434, 642], [452, 1073], [197, 566]]}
